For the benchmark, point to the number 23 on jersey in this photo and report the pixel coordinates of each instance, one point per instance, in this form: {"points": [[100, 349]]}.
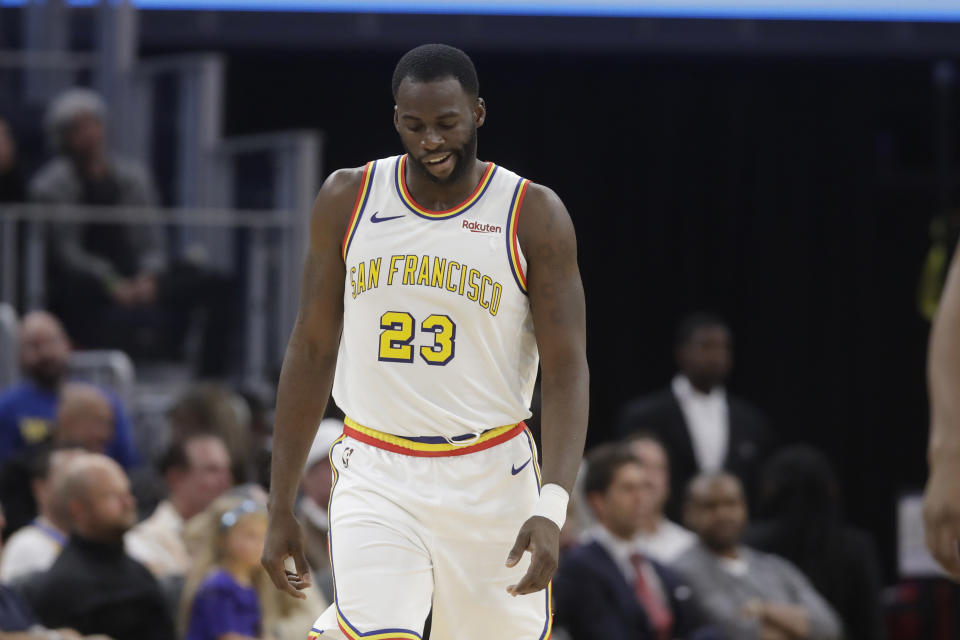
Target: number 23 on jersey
{"points": [[398, 333]]}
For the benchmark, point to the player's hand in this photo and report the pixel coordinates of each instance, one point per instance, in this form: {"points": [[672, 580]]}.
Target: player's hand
{"points": [[285, 540], [941, 514], [541, 537]]}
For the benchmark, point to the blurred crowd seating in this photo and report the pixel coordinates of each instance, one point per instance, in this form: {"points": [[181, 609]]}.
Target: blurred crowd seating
{"points": [[211, 443]]}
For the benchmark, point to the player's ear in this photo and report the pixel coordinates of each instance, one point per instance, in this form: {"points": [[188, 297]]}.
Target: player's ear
{"points": [[480, 112], [396, 118]]}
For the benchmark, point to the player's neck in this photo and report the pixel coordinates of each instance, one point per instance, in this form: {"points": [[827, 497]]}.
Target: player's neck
{"points": [[442, 196]]}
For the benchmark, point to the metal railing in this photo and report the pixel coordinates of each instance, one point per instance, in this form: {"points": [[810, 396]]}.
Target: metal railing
{"points": [[270, 242]]}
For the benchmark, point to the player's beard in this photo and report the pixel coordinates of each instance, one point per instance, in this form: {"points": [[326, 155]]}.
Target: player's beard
{"points": [[463, 157]]}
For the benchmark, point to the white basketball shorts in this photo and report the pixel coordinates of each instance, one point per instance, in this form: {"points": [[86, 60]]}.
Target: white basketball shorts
{"points": [[417, 523]]}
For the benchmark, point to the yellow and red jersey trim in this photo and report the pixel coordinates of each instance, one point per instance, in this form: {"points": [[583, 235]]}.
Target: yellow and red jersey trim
{"points": [[363, 195], [430, 446], [513, 245], [410, 203]]}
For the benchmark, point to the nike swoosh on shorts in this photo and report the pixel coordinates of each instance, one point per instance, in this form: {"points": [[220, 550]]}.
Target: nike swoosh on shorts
{"points": [[514, 470]]}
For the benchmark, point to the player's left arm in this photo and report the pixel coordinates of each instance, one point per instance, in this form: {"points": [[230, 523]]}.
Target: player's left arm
{"points": [[548, 241]]}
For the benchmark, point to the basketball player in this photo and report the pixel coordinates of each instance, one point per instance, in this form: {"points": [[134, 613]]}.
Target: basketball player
{"points": [[434, 283], [942, 496]]}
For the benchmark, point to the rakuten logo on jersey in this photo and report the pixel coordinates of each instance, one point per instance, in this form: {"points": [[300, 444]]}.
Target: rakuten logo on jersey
{"points": [[476, 227]]}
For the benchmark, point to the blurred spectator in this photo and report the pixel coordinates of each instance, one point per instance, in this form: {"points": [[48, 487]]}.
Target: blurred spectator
{"points": [[107, 277], [212, 408], [12, 186], [85, 417], [799, 503], [227, 590], [748, 593], [312, 508], [197, 471], [702, 428], [27, 409], [94, 586], [659, 538], [608, 588], [225, 601], [34, 547]]}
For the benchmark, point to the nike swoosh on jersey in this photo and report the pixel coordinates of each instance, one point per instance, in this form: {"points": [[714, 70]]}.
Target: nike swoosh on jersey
{"points": [[514, 470], [374, 217]]}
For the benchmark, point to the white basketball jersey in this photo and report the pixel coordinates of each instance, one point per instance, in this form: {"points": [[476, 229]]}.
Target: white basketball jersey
{"points": [[437, 331]]}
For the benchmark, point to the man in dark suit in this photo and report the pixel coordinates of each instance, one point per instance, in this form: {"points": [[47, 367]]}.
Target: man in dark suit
{"points": [[606, 588], [703, 428]]}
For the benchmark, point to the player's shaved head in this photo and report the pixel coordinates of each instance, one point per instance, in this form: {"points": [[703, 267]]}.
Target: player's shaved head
{"points": [[44, 349], [84, 417], [717, 511], [430, 62]]}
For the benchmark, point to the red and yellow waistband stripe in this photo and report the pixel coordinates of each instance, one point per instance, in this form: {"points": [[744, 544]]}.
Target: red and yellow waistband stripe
{"points": [[363, 195], [412, 447], [401, 184], [513, 246], [314, 634]]}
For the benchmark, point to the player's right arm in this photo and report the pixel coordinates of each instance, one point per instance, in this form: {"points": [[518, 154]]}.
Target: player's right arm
{"points": [[942, 498], [307, 374]]}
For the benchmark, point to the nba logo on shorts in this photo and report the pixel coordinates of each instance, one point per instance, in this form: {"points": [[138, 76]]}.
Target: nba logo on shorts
{"points": [[346, 457]]}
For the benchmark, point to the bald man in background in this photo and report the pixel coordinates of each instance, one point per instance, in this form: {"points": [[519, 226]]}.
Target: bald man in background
{"points": [[35, 547], [27, 409], [85, 417], [94, 586], [747, 593]]}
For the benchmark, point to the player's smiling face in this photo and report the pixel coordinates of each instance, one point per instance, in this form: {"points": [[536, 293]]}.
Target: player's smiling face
{"points": [[437, 122]]}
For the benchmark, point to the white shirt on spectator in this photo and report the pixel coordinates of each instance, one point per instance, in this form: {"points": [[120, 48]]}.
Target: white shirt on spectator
{"points": [[33, 548], [667, 543], [158, 543], [708, 421]]}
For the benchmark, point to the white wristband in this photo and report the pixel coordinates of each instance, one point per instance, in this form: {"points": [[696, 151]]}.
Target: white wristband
{"points": [[552, 504]]}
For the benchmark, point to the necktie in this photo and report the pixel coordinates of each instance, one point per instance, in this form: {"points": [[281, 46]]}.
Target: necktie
{"points": [[658, 613]]}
